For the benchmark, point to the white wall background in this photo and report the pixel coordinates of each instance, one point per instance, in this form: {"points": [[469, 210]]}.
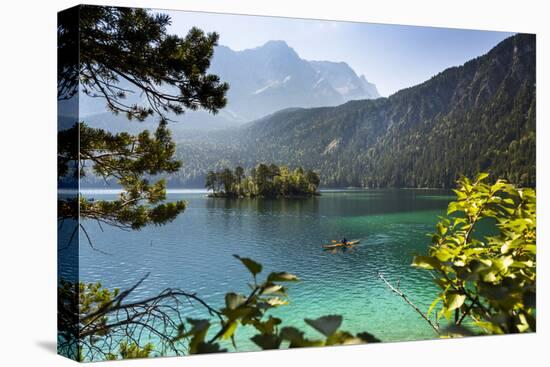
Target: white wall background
{"points": [[28, 180]]}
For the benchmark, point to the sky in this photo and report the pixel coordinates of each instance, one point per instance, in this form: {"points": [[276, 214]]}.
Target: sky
{"points": [[391, 56]]}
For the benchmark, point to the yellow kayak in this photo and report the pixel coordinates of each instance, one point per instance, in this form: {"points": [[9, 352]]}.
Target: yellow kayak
{"points": [[340, 244]]}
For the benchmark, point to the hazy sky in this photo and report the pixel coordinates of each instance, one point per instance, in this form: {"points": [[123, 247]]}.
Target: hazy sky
{"points": [[392, 57]]}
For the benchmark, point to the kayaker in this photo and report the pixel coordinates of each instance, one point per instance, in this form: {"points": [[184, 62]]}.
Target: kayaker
{"points": [[344, 241]]}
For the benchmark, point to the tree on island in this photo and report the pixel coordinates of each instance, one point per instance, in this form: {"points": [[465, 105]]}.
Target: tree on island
{"points": [[263, 181], [239, 174]]}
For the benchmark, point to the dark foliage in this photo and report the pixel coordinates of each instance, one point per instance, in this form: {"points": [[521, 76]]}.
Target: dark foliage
{"points": [[120, 51], [264, 181], [132, 45]]}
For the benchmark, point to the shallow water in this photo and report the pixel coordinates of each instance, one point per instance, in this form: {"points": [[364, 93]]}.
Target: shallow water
{"points": [[194, 253]]}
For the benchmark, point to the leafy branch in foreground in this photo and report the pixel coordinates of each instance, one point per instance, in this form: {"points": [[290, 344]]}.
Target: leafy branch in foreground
{"points": [[487, 282], [128, 158], [252, 310], [124, 51], [96, 323]]}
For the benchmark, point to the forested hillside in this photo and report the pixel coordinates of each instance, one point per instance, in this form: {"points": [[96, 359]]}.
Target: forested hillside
{"points": [[467, 119], [476, 117]]}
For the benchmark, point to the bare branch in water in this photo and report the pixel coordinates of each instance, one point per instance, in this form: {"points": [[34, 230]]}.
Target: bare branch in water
{"points": [[410, 303]]}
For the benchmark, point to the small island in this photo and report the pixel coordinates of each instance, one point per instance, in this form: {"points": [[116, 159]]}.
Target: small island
{"points": [[266, 181]]}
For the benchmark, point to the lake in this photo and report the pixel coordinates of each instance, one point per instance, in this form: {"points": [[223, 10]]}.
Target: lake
{"points": [[194, 253]]}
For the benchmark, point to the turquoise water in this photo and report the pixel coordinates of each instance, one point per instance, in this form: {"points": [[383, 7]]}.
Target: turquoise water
{"points": [[194, 253]]}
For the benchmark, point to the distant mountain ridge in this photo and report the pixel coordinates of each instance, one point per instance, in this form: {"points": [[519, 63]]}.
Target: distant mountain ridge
{"points": [[342, 78], [262, 81], [272, 77], [476, 117]]}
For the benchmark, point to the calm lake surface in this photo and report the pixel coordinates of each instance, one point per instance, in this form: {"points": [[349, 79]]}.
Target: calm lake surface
{"points": [[194, 253]]}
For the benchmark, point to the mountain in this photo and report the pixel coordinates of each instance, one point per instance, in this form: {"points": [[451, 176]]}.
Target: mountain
{"points": [[269, 78], [476, 117], [343, 79], [272, 77], [263, 80]]}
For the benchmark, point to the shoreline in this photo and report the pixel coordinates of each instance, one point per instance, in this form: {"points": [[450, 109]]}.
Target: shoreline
{"points": [[223, 196], [201, 190]]}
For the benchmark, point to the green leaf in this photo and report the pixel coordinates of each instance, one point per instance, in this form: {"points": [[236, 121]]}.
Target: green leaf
{"points": [[454, 206], [296, 338], [229, 330], [443, 254], [326, 325], [205, 348], [369, 338], [279, 289], [482, 176], [267, 327], [198, 333], [292, 334], [503, 263], [282, 277], [459, 263], [489, 277], [276, 302], [446, 313], [441, 229], [454, 300], [489, 327], [266, 341], [343, 338], [233, 300], [432, 306], [251, 265], [426, 262]]}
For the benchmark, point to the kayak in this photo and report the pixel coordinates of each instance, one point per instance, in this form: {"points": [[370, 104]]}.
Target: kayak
{"points": [[340, 244]]}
